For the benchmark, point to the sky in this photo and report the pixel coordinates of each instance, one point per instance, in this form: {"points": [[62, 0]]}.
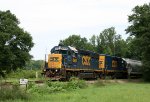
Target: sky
{"points": [[49, 21]]}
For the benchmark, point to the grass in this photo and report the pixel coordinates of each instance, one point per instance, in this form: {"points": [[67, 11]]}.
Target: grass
{"points": [[12, 92], [108, 92]]}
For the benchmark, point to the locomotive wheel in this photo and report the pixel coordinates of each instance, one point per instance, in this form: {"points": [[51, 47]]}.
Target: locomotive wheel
{"points": [[102, 76], [47, 74], [68, 75], [113, 76]]}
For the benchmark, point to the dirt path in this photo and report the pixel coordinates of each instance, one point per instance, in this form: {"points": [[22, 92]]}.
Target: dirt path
{"points": [[121, 81]]}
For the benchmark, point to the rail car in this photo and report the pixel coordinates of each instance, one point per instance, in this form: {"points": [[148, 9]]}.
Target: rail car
{"points": [[66, 61], [134, 68]]}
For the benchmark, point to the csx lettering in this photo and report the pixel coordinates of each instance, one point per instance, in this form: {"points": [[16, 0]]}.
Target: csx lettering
{"points": [[86, 60], [55, 59]]}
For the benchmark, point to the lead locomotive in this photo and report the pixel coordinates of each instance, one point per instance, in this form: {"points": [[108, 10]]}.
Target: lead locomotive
{"points": [[67, 61]]}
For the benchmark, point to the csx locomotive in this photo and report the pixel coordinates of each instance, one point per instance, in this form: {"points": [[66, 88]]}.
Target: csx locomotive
{"points": [[66, 61]]}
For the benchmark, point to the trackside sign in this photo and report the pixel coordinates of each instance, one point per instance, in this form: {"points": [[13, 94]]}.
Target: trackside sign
{"points": [[23, 81]]}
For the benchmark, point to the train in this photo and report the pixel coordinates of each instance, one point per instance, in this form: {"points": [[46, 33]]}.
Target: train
{"points": [[65, 62]]}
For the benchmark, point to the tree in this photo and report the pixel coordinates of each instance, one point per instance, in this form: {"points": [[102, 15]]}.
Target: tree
{"points": [[132, 51], [34, 64], [15, 43], [78, 42], [140, 28], [93, 44], [108, 42], [120, 46]]}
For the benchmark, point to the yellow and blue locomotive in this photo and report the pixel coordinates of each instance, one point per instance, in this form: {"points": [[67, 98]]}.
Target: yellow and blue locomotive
{"points": [[67, 61]]}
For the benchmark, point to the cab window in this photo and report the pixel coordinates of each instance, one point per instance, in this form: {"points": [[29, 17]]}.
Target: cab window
{"points": [[64, 52]]}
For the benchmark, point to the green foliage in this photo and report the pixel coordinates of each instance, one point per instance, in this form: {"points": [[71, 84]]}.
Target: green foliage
{"points": [[146, 71], [108, 42], [78, 42], [39, 89], [54, 87], [15, 43], [23, 74], [125, 92], [30, 85], [120, 47], [133, 51], [34, 64], [9, 92], [93, 43], [140, 25], [57, 86], [76, 83]]}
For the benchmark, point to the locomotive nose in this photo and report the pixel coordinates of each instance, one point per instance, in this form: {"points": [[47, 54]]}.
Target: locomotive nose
{"points": [[54, 60]]}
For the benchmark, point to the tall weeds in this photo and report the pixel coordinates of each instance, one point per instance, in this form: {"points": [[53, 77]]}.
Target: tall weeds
{"points": [[53, 87], [12, 92]]}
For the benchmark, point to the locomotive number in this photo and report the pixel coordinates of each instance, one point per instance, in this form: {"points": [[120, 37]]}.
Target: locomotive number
{"points": [[114, 63], [86, 60], [74, 60]]}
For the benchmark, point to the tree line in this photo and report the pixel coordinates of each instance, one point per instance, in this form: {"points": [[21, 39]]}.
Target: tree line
{"points": [[107, 42]]}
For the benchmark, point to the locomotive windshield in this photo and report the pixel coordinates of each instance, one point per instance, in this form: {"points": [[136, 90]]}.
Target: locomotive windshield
{"points": [[64, 52], [60, 50]]}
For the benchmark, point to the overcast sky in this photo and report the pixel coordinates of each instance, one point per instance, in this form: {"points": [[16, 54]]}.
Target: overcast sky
{"points": [[49, 21]]}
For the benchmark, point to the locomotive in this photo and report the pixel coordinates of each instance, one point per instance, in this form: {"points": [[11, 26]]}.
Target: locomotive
{"points": [[66, 61]]}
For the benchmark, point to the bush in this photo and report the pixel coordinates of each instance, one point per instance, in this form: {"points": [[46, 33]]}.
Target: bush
{"points": [[53, 87], [75, 83], [39, 89], [30, 85], [57, 86], [49, 87], [12, 92]]}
